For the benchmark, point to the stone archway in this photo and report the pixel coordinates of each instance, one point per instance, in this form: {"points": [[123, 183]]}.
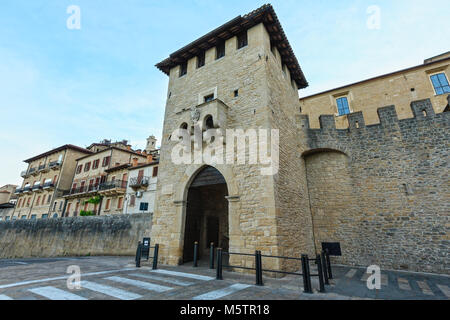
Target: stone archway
{"points": [[206, 218]]}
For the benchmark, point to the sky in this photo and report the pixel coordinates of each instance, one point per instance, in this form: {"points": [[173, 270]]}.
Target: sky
{"points": [[61, 85]]}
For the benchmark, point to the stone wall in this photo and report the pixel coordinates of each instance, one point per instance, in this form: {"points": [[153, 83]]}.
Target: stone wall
{"points": [[81, 236], [382, 191]]}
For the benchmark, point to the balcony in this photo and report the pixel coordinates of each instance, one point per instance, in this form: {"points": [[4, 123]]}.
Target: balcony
{"points": [[55, 165], [24, 174], [82, 191], [33, 171], [43, 168], [27, 189], [48, 184], [37, 187], [18, 191], [113, 188], [139, 182]]}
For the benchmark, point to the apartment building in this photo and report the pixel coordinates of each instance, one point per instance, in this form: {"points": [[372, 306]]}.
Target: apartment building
{"points": [[100, 180], [7, 201], [47, 177], [141, 189]]}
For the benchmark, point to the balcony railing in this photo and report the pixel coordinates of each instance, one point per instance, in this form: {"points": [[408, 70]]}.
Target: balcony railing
{"points": [[54, 165], [48, 185], [27, 189], [117, 184], [32, 170], [139, 182], [18, 191], [24, 174], [37, 188], [41, 167]]}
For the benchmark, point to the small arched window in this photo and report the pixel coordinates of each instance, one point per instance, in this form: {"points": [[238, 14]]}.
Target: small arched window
{"points": [[184, 126], [209, 122]]}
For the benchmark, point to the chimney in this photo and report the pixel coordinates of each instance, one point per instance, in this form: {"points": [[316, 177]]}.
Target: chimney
{"points": [[135, 162], [149, 158]]}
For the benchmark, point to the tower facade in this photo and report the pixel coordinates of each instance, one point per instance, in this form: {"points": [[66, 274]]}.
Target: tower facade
{"points": [[241, 76]]}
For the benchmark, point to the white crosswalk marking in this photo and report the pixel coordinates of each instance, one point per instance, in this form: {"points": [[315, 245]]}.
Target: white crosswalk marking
{"points": [[171, 281], [217, 294], [351, 273], [110, 291], [55, 294], [184, 275], [425, 288], [445, 290], [403, 284], [140, 284], [3, 297]]}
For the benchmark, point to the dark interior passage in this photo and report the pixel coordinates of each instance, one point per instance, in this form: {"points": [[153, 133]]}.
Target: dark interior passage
{"points": [[206, 214]]}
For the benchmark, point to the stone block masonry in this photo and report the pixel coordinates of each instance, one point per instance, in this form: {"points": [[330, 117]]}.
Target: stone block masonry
{"points": [[80, 236], [382, 191]]}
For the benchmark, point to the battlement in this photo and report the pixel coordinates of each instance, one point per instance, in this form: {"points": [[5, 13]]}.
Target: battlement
{"points": [[424, 124]]}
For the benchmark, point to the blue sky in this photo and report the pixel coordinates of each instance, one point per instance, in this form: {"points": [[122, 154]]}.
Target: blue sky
{"points": [[61, 86]]}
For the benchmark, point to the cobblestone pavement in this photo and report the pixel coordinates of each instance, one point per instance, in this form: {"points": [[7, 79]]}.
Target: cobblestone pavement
{"points": [[116, 278]]}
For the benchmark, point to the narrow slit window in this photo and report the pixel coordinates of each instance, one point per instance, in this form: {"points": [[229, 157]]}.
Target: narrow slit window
{"points": [[220, 50], [201, 59], [242, 40], [183, 69]]}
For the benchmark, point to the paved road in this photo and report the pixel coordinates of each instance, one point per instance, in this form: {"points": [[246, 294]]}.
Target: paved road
{"points": [[116, 278]]}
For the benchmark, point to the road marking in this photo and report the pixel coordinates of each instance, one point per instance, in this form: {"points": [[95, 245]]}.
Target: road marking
{"points": [[184, 275], [445, 290], [425, 288], [140, 284], [172, 281], [3, 297], [18, 262], [351, 273], [53, 293], [24, 283], [403, 284], [217, 294], [110, 291]]}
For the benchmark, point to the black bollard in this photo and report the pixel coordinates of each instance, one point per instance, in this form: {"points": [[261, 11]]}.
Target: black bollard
{"points": [[325, 268], [320, 272], [219, 264], [211, 256], [155, 257], [138, 255], [327, 255], [306, 274], [195, 254], [258, 268]]}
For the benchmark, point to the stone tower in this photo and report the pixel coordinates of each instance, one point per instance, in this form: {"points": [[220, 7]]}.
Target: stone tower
{"points": [[151, 144], [243, 75]]}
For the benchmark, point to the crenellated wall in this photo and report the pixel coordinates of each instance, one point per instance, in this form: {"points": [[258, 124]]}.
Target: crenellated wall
{"points": [[382, 190]]}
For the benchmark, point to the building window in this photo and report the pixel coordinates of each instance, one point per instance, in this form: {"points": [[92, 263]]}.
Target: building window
{"points": [[95, 164], [132, 200], [23, 217], [155, 172], [201, 59], [183, 69], [343, 107], [44, 216], [108, 203], [80, 167], [38, 201], [120, 203], [87, 167], [242, 40], [220, 50], [209, 98], [236, 93], [55, 216], [143, 206], [49, 198], [106, 161], [440, 83]]}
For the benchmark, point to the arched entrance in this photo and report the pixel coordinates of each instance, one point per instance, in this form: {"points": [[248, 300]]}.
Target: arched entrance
{"points": [[206, 214]]}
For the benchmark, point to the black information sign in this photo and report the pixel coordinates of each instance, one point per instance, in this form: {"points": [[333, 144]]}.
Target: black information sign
{"points": [[146, 248], [334, 248]]}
